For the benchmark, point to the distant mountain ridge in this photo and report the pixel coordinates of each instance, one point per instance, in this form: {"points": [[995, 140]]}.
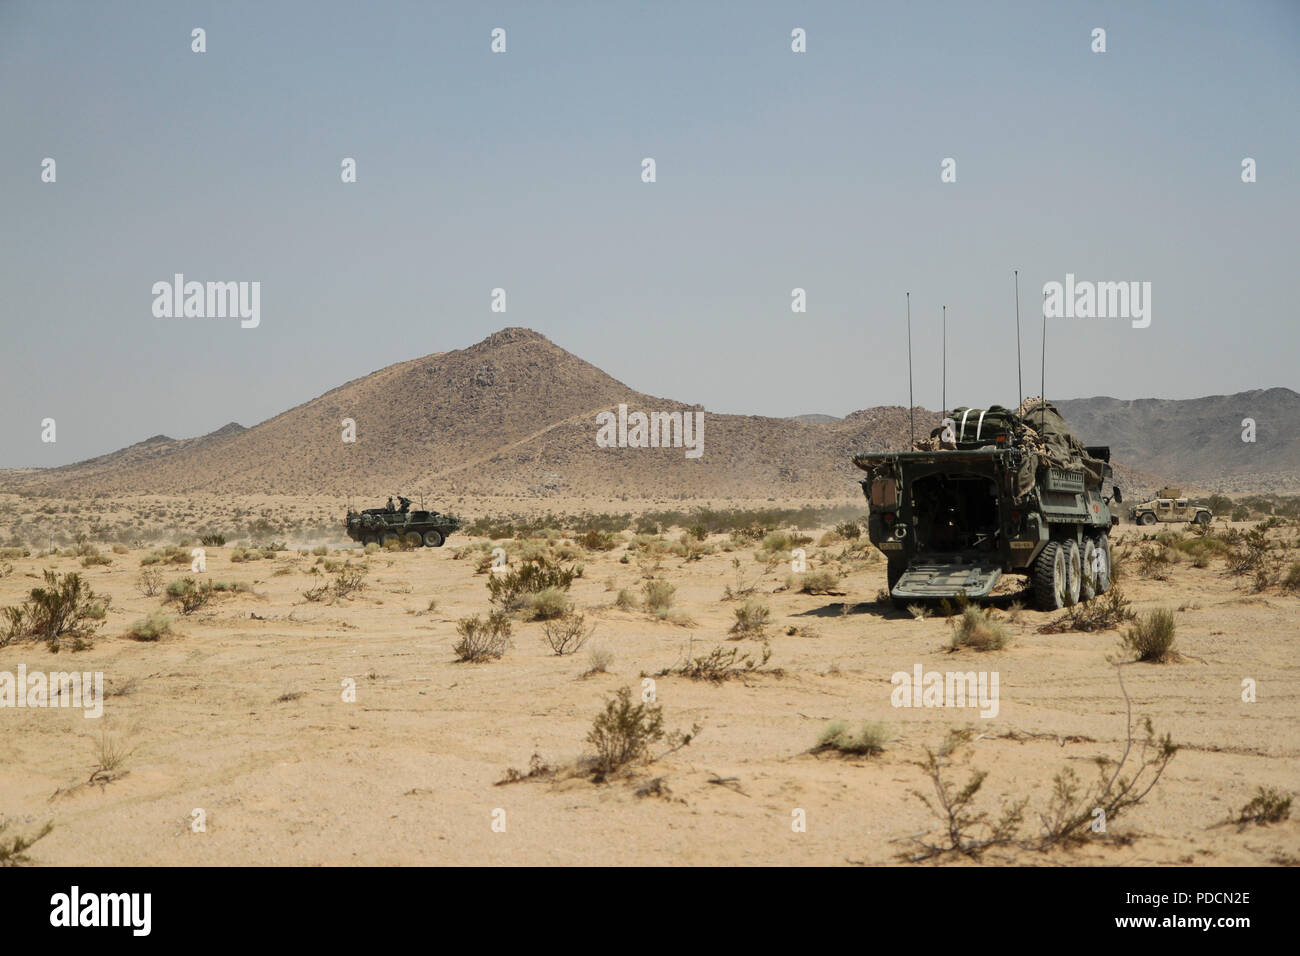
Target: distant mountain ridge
{"points": [[516, 414]]}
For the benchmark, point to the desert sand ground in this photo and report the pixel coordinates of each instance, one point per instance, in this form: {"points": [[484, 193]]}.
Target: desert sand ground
{"points": [[240, 712]]}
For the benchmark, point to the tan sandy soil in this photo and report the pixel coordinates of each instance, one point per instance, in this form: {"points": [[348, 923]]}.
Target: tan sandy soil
{"points": [[405, 775]]}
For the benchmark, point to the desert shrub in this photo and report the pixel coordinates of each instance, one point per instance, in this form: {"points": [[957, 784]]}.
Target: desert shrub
{"points": [[1219, 504], [625, 600], [320, 550], [1153, 562], [214, 540], [13, 850], [120, 549], [599, 660], [1267, 806], [64, 610], [316, 592], [189, 594], [10, 553], [94, 558], [658, 596], [509, 591], [778, 541], [1151, 637], [594, 540], [623, 732], [976, 630], [968, 830], [869, 737], [482, 640], [1102, 613], [567, 633], [547, 604], [752, 618], [719, 665], [849, 530], [1249, 554], [742, 588], [1291, 581], [820, 582], [348, 580], [152, 628]]}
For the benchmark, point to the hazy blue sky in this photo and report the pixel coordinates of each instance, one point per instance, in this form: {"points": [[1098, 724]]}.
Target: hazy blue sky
{"points": [[775, 170]]}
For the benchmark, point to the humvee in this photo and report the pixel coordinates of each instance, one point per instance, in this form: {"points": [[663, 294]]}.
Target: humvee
{"points": [[1170, 505]]}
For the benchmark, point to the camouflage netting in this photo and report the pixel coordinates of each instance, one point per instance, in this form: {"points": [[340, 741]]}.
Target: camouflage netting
{"points": [[1040, 431], [1043, 432]]}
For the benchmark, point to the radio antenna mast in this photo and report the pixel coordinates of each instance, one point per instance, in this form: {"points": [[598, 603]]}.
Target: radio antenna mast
{"points": [[911, 414], [1020, 379], [1042, 398], [945, 361]]}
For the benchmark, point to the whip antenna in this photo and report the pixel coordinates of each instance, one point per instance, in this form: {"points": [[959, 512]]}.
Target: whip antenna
{"points": [[1020, 379], [911, 414], [945, 361], [1043, 365]]}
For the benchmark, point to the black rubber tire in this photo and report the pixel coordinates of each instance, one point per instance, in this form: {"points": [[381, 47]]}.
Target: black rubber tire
{"points": [[1147, 519], [1050, 577], [433, 539], [1088, 578], [1073, 573], [414, 539], [388, 536], [1203, 520], [1103, 579], [369, 539]]}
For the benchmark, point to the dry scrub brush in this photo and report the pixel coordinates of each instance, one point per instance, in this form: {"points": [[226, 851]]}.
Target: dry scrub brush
{"points": [[624, 731], [567, 633], [1073, 811], [66, 610], [482, 640]]}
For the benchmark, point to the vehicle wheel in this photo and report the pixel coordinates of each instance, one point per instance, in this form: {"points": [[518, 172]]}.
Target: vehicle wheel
{"points": [[1147, 518], [1203, 520], [1103, 565], [1088, 564], [368, 539], [388, 538], [433, 539], [1051, 581], [413, 539], [1073, 573]]}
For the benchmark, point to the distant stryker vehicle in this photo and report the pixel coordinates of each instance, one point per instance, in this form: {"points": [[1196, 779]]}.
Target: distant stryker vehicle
{"points": [[1170, 505], [389, 524], [994, 492]]}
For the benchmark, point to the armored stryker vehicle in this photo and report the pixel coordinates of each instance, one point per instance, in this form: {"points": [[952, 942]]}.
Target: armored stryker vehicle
{"points": [[416, 528], [993, 492], [1170, 505]]}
